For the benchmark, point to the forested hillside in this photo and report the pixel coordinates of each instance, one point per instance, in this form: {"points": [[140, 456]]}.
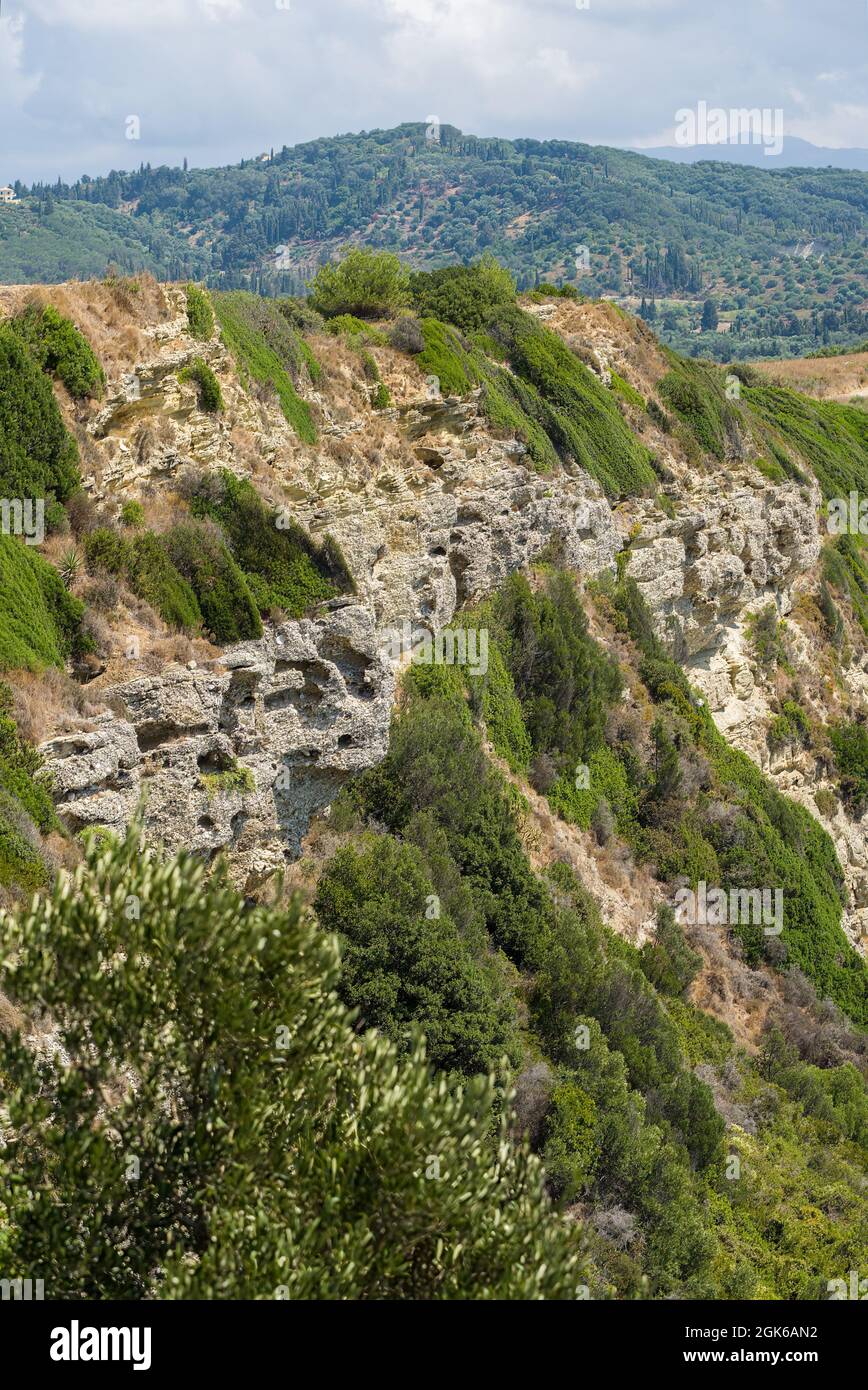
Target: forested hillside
{"points": [[778, 255]]}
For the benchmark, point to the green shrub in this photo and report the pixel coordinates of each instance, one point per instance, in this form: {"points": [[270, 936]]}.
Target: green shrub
{"points": [[200, 315], [145, 564], [210, 395], [37, 454], [197, 551], [695, 392], [850, 742], [367, 284], [580, 416], [133, 515], [154, 578], [404, 960], [40, 622], [668, 961], [195, 997], [358, 332], [381, 397], [283, 566], [25, 806], [59, 349], [268, 351], [229, 779], [105, 549], [463, 295]]}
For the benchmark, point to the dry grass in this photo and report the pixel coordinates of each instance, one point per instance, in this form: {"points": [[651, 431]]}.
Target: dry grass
{"points": [[50, 703], [826, 378]]}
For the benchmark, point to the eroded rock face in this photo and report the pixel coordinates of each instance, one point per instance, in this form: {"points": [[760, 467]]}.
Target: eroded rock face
{"points": [[239, 757], [733, 552], [433, 510]]}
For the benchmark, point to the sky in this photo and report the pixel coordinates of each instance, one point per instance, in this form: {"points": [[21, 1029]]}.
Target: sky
{"points": [[218, 80]]}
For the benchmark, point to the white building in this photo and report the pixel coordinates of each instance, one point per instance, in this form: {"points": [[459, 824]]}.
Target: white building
{"points": [[7, 194]]}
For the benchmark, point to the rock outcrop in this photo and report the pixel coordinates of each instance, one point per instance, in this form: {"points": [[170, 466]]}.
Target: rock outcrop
{"points": [[236, 758]]}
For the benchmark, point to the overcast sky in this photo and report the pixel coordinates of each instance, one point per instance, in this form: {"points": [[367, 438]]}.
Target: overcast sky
{"points": [[215, 80]]}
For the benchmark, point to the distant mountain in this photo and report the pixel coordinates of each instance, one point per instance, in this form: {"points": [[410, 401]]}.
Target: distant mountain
{"points": [[780, 251], [796, 154]]}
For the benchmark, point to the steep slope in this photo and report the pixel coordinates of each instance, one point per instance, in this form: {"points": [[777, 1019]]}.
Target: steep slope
{"points": [[342, 490]]}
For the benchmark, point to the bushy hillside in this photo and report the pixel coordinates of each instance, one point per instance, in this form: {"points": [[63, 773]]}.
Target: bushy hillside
{"points": [[246, 497], [677, 234]]}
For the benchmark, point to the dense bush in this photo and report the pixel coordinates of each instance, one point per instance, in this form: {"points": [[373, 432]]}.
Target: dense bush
{"points": [[200, 315], [267, 351], [59, 349], [850, 742], [404, 960], [580, 417], [463, 295], [144, 562], [397, 1187], [564, 681], [284, 567], [37, 454], [40, 622], [210, 395], [199, 554], [153, 577], [25, 806], [368, 284]]}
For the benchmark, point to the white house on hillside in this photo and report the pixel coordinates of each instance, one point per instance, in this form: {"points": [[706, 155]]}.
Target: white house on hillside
{"points": [[7, 194]]}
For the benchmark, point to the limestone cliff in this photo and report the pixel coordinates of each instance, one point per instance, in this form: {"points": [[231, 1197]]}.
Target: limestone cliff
{"points": [[433, 509]]}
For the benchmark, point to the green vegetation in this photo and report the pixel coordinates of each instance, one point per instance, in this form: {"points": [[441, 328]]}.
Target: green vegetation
{"points": [[549, 399], [38, 457], [210, 395], [283, 567], [59, 349], [358, 332], [40, 622], [465, 296], [133, 515], [366, 284], [850, 742], [145, 564], [200, 315], [580, 416], [25, 806], [405, 958], [199, 554], [695, 392], [229, 779], [360, 1212], [846, 570], [672, 236], [267, 351], [607, 1089]]}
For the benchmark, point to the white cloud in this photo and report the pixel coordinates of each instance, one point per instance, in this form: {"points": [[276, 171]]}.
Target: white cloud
{"points": [[218, 79]]}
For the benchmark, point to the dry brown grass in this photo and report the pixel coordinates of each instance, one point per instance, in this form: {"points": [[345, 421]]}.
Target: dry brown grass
{"points": [[826, 378], [50, 703]]}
